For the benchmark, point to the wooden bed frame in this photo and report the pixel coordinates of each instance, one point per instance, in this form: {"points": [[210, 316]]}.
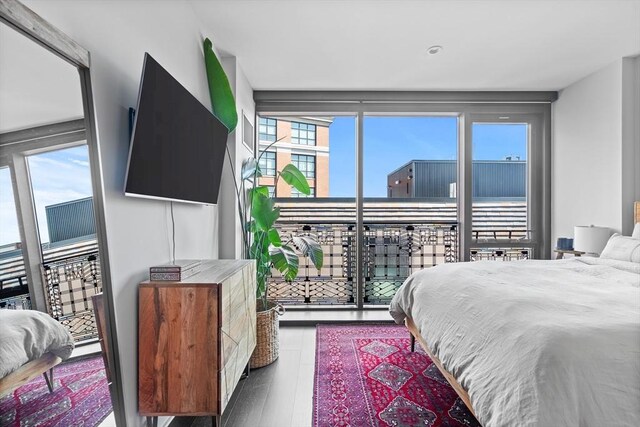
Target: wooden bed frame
{"points": [[29, 371], [415, 335]]}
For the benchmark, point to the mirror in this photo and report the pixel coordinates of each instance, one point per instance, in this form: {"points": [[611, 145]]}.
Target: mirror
{"points": [[56, 360]]}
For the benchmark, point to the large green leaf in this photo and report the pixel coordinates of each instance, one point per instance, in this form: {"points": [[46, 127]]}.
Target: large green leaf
{"points": [[264, 212], [309, 247], [262, 189], [250, 169], [285, 260], [222, 100], [274, 237], [295, 178]]}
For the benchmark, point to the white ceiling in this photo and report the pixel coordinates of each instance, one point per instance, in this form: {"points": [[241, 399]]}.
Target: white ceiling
{"points": [[381, 45], [36, 86]]}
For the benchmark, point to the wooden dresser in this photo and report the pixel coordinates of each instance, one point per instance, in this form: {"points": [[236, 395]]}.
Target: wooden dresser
{"points": [[195, 339]]}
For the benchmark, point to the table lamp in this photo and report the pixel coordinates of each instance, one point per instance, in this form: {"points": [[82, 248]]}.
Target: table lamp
{"points": [[590, 239]]}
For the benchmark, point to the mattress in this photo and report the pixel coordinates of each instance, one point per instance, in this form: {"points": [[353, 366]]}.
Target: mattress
{"points": [[534, 343], [26, 335]]}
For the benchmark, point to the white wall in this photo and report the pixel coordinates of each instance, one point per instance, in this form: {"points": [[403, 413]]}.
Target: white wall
{"points": [[630, 140], [138, 231], [595, 142], [230, 245]]}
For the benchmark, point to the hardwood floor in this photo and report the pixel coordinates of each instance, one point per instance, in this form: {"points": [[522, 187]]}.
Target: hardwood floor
{"points": [[281, 394], [278, 395]]}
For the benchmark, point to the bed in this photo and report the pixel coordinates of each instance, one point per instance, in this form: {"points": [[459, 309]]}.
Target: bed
{"points": [[32, 343], [532, 343]]}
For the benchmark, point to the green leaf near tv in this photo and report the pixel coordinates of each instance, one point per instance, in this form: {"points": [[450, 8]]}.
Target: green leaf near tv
{"points": [[222, 101]]}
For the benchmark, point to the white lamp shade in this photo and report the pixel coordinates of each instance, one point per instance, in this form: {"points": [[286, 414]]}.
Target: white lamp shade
{"points": [[590, 239]]}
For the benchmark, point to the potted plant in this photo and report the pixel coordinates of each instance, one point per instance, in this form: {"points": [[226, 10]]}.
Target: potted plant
{"points": [[263, 242], [258, 214]]}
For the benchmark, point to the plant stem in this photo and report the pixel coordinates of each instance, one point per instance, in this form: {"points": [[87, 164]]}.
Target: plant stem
{"points": [[235, 184], [254, 184]]}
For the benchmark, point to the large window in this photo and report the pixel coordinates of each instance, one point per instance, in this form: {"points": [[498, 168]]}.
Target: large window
{"points": [[438, 179], [410, 218], [57, 246], [303, 133], [268, 163], [306, 164], [499, 180], [267, 129]]}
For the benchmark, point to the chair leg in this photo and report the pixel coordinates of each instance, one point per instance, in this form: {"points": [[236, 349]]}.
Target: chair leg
{"points": [[215, 421], [413, 343], [152, 421], [49, 379]]}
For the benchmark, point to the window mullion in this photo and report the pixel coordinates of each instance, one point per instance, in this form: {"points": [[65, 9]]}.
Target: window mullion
{"points": [[27, 221]]}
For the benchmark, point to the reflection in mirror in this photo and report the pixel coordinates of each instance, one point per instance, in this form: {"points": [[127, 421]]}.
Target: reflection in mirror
{"points": [[52, 365]]}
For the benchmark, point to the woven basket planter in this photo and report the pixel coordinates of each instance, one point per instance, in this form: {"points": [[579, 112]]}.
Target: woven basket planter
{"points": [[267, 337]]}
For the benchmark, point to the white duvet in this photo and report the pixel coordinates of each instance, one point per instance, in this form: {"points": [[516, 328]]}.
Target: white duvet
{"points": [[26, 335], [535, 343]]}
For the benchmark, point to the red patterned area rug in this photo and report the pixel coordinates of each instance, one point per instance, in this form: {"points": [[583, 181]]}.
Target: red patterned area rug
{"points": [[366, 375], [80, 398]]}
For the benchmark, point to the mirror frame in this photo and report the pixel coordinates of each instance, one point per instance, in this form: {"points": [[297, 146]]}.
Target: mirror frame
{"points": [[27, 22]]}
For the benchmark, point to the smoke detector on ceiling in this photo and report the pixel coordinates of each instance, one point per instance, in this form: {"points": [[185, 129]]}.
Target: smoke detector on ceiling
{"points": [[435, 49]]}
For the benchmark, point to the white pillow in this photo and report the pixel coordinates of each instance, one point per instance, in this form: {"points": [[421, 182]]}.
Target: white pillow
{"points": [[636, 231], [622, 248]]}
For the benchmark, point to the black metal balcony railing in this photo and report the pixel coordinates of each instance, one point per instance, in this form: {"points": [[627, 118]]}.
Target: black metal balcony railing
{"points": [[391, 252], [400, 237], [500, 254], [14, 289], [69, 284], [71, 275]]}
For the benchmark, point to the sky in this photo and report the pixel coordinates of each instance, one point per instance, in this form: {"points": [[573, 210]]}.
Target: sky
{"points": [[390, 142], [56, 176]]}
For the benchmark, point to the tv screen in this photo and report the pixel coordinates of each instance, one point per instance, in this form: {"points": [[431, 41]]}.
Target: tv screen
{"points": [[177, 146]]}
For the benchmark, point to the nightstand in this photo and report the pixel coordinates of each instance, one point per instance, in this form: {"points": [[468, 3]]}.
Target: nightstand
{"points": [[560, 253]]}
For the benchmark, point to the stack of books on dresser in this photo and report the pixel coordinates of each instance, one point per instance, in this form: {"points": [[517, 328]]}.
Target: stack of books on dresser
{"points": [[175, 272]]}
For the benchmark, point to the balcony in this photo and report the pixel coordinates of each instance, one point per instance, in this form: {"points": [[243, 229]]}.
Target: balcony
{"points": [[71, 273], [400, 238]]}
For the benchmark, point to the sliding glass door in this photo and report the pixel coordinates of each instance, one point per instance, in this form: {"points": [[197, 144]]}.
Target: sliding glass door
{"points": [[322, 147], [410, 170], [505, 186]]}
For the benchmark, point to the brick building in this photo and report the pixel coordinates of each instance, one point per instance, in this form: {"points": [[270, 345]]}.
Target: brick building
{"points": [[304, 143]]}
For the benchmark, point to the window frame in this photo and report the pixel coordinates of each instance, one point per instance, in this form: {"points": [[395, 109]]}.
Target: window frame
{"points": [[268, 125], [265, 170], [460, 104], [307, 127], [307, 162], [538, 209]]}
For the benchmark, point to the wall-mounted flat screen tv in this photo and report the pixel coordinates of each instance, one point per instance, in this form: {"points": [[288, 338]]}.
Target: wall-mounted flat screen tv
{"points": [[177, 146]]}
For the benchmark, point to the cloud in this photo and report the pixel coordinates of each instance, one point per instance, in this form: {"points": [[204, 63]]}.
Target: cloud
{"points": [[80, 162]]}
